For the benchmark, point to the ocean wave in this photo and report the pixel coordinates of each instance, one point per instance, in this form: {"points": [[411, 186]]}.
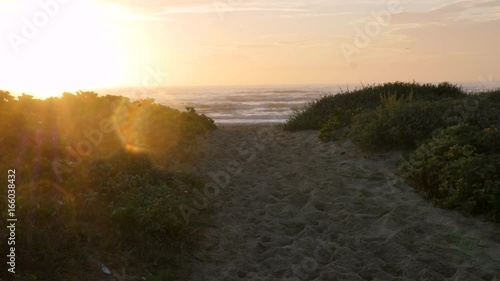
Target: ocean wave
{"points": [[245, 104]]}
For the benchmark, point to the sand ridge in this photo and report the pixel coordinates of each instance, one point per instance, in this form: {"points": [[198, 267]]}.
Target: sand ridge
{"points": [[293, 208]]}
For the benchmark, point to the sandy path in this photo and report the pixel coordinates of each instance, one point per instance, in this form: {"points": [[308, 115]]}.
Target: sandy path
{"points": [[296, 209]]}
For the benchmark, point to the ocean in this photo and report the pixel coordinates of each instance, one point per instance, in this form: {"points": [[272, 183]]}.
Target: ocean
{"points": [[248, 104]]}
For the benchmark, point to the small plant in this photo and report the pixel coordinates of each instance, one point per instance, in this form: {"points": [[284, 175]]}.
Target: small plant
{"points": [[392, 101]]}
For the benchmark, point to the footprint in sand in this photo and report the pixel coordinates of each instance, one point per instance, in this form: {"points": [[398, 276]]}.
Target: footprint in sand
{"points": [[303, 210]]}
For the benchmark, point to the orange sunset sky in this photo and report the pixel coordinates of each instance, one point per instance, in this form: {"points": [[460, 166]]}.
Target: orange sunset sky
{"points": [[50, 46]]}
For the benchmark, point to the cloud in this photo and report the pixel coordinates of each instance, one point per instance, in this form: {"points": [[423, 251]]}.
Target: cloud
{"points": [[313, 15], [482, 10], [450, 16], [156, 9], [289, 42], [221, 7]]}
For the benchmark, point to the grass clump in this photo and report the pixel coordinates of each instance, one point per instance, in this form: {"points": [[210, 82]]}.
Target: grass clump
{"points": [[405, 125], [315, 114], [400, 126]]}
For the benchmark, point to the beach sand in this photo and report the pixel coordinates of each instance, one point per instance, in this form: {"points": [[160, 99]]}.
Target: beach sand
{"points": [[293, 208]]}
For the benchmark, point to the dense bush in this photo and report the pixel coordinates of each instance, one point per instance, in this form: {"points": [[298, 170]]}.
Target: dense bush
{"points": [[404, 125], [457, 162], [141, 194], [338, 120], [459, 168], [93, 183], [318, 112], [401, 126]]}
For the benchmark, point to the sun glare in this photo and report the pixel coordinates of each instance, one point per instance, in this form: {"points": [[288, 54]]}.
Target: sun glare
{"points": [[79, 50]]}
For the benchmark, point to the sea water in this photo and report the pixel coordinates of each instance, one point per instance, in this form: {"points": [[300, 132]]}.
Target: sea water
{"points": [[247, 104]]}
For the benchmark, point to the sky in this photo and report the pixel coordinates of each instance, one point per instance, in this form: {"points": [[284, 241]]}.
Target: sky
{"points": [[50, 46]]}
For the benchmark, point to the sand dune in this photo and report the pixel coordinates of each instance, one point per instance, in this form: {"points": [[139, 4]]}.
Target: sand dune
{"points": [[297, 209]]}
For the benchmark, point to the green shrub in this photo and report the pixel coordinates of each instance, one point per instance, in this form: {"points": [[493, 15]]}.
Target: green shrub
{"points": [[339, 119], [399, 126], [116, 200], [141, 194], [404, 125], [154, 208], [344, 117], [122, 171], [318, 112], [196, 124], [312, 116], [459, 169], [492, 97], [481, 112]]}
